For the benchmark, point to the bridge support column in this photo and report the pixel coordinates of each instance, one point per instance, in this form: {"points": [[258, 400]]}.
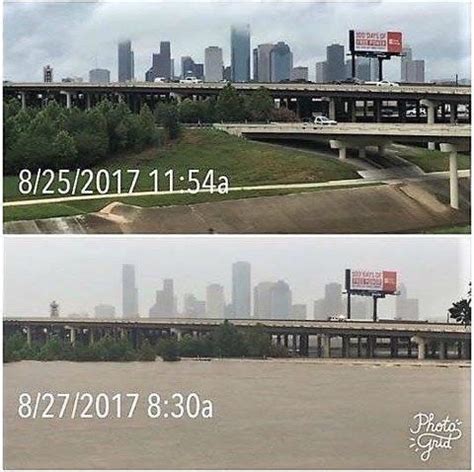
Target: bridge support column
{"points": [[443, 350], [431, 107], [394, 347], [326, 346], [352, 111], [409, 348], [319, 352], [88, 101], [453, 113], [91, 336], [453, 173], [466, 351], [382, 149], [285, 340], [332, 109], [362, 153], [73, 336], [341, 145], [28, 335], [359, 346], [23, 100], [421, 347], [295, 344], [377, 111], [68, 99]]}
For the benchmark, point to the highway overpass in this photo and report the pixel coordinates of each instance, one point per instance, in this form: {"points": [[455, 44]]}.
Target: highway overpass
{"points": [[358, 338], [335, 100], [450, 138]]}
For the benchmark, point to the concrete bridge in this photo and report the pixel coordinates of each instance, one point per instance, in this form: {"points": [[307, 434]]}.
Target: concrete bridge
{"points": [[356, 338], [334, 100], [450, 138]]}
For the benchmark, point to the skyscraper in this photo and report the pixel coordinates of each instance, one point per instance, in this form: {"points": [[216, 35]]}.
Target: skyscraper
{"points": [[321, 72], [281, 62], [262, 300], [411, 70], [161, 64], [164, 301], [125, 61], [335, 68], [281, 300], [240, 53], [47, 73], [99, 76], [333, 299], [299, 73], [241, 289], [215, 301], [213, 64], [406, 308], [193, 308], [187, 67], [262, 62], [129, 292]]}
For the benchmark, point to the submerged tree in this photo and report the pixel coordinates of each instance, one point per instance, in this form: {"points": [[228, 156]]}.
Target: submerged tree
{"points": [[461, 310]]}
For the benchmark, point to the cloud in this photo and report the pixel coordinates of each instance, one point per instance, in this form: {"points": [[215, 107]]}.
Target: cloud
{"points": [[76, 37]]}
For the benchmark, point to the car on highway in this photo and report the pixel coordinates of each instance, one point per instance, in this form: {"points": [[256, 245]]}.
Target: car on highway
{"points": [[337, 318], [411, 113], [322, 120], [386, 83], [190, 80]]}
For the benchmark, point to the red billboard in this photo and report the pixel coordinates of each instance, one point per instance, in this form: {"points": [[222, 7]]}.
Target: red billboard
{"points": [[377, 42], [383, 281]]}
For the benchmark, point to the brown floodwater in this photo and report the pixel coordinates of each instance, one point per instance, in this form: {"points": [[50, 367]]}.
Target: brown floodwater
{"points": [[279, 414]]}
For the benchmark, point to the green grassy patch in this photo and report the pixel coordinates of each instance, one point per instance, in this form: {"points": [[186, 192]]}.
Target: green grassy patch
{"points": [[431, 161], [243, 162]]}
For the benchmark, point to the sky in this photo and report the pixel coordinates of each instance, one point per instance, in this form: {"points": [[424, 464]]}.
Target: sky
{"points": [[81, 272], [74, 37]]}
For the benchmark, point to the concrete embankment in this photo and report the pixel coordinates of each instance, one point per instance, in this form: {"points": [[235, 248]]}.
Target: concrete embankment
{"points": [[398, 207]]}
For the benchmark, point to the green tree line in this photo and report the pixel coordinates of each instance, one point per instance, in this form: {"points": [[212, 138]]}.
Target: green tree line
{"points": [[225, 341], [54, 137]]}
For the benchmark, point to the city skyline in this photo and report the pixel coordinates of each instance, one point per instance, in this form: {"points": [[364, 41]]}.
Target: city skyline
{"points": [[99, 29], [211, 264]]}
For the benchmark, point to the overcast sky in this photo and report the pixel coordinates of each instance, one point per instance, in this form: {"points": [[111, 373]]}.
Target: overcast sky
{"points": [[75, 37], [80, 272]]}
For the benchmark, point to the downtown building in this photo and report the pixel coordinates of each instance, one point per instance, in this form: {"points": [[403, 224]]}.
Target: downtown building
{"points": [[215, 301], [411, 70], [213, 64], [126, 62], [335, 63], [162, 64], [99, 76], [241, 286], [406, 308], [165, 303], [331, 304], [281, 62], [261, 63], [193, 307], [240, 53], [129, 292], [273, 300], [299, 73]]}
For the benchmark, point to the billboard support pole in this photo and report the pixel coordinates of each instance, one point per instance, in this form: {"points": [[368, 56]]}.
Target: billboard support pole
{"points": [[380, 58], [353, 65], [348, 305], [375, 308]]}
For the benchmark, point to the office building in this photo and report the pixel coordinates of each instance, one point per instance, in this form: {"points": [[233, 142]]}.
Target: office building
{"points": [[213, 64], [47, 73], [411, 70], [227, 73], [331, 304], [199, 71], [99, 76], [164, 301], [321, 72], [240, 53], [281, 301], [262, 72], [299, 73], [335, 63], [281, 62], [129, 292], [161, 66], [125, 61], [215, 301], [193, 308], [298, 311], [241, 289], [187, 67], [262, 300], [104, 311], [406, 308]]}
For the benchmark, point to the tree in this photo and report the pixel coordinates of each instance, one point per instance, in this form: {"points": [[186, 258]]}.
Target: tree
{"points": [[228, 341], [258, 342], [461, 310], [259, 105], [65, 149], [146, 352], [166, 115], [283, 114], [168, 349], [230, 105]]}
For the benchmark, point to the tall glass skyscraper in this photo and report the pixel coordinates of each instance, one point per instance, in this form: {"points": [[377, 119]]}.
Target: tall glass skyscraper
{"points": [[129, 292], [281, 62], [241, 289], [126, 66], [240, 53]]}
